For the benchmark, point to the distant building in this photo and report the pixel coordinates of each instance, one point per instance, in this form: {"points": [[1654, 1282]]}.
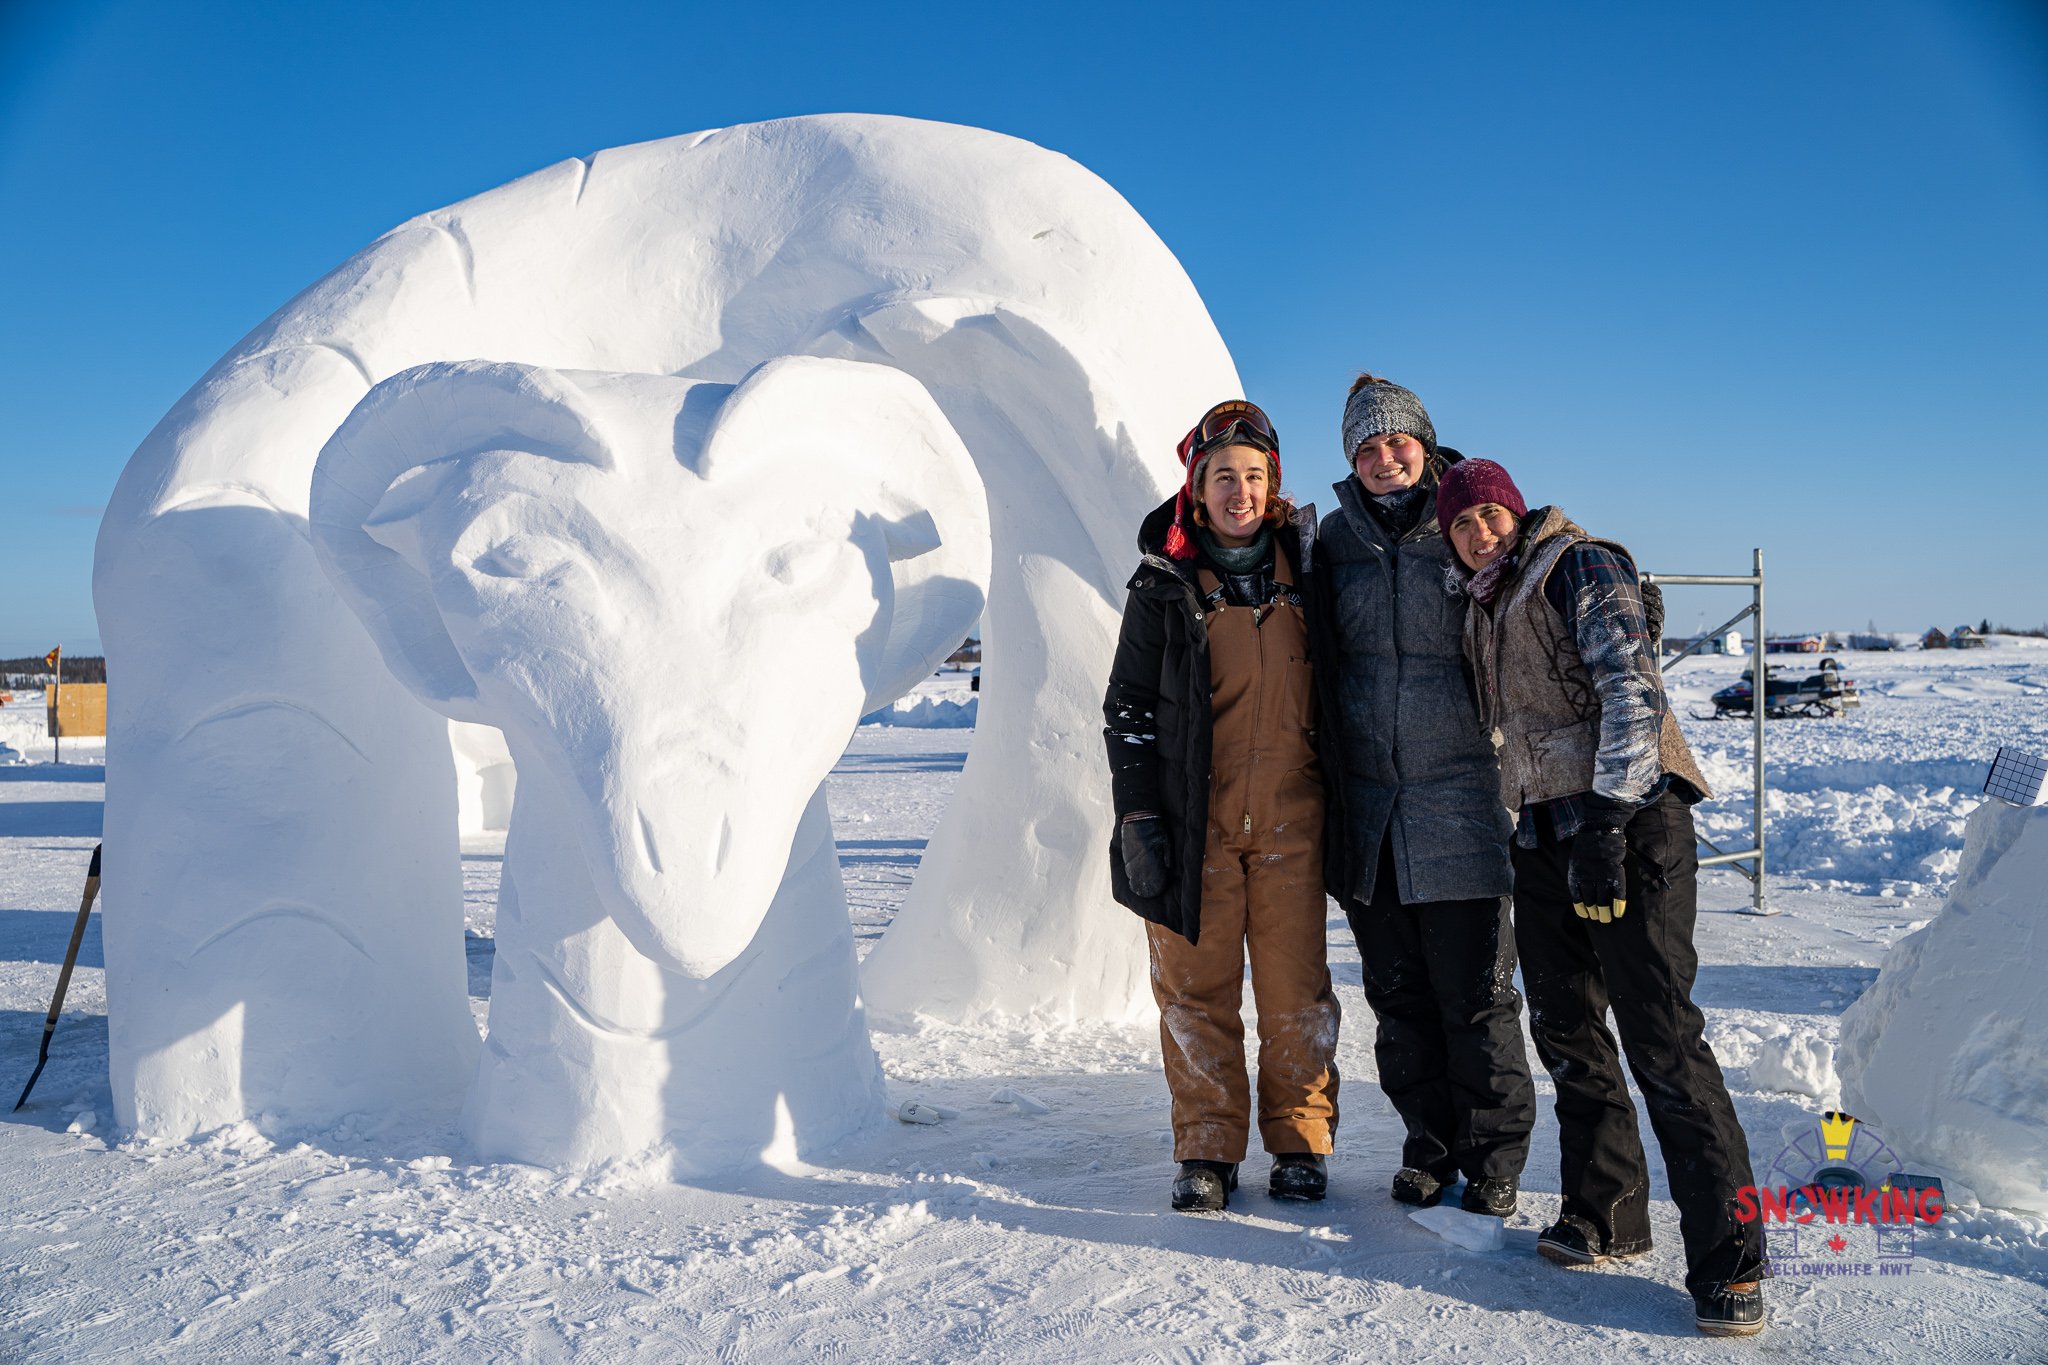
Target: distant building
{"points": [[1793, 644], [1728, 643], [1934, 639], [1963, 637]]}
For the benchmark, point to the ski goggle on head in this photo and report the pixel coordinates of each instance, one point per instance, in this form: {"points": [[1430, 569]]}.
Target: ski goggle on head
{"points": [[1237, 422]]}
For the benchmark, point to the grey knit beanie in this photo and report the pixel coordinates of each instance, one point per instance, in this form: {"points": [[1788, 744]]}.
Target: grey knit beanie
{"points": [[1376, 408]]}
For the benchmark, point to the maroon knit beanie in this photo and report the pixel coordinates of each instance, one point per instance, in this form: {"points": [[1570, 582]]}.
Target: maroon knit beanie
{"points": [[1471, 483]]}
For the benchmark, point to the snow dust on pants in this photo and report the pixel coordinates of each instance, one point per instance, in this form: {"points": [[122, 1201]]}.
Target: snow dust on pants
{"points": [[1440, 977], [1642, 965], [1262, 896]]}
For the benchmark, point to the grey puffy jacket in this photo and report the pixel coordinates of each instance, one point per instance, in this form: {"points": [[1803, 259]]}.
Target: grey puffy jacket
{"points": [[1403, 753]]}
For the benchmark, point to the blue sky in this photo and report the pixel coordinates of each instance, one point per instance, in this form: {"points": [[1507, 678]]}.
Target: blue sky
{"points": [[1710, 276]]}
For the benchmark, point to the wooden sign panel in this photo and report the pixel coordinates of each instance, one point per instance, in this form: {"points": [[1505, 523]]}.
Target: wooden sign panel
{"points": [[77, 709]]}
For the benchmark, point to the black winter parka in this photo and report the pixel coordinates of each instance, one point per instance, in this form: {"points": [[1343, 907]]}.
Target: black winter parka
{"points": [[1158, 725]]}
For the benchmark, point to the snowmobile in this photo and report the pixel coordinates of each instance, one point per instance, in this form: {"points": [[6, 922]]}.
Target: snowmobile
{"points": [[1826, 693]]}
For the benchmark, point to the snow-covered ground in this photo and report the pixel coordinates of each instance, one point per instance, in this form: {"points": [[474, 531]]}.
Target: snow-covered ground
{"points": [[1032, 1227]]}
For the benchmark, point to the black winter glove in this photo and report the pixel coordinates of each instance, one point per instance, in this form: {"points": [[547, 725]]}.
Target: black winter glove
{"points": [[1146, 860], [1596, 873]]}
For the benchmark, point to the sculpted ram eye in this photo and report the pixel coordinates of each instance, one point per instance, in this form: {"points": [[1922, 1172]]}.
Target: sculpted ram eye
{"points": [[523, 557], [802, 564]]}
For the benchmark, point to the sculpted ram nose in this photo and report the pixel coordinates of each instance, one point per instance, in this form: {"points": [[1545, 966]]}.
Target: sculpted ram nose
{"points": [[688, 885], [650, 851]]}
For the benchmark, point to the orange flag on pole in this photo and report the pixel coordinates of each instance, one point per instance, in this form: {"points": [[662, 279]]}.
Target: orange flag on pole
{"points": [[51, 657]]}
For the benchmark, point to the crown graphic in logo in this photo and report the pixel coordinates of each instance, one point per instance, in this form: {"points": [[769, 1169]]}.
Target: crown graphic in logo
{"points": [[1836, 1131]]}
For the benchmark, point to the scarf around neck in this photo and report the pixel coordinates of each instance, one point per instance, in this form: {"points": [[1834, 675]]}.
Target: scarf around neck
{"points": [[1238, 559], [1485, 585]]}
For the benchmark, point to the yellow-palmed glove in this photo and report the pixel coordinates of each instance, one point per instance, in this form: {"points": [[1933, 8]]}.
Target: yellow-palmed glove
{"points": [[1597, 872]]}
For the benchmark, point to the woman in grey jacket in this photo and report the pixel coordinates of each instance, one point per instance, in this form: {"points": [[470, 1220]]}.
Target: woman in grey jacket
{"points": [[1416, 848]]}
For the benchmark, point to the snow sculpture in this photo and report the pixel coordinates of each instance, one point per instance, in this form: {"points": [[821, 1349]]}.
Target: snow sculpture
{"points": [[676, 600], [285, 934], [1944, 1054], [485, 779]]}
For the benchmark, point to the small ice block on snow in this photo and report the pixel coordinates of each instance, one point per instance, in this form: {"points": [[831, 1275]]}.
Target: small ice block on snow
{"points": [[2018, 777], [1472, 1231]]}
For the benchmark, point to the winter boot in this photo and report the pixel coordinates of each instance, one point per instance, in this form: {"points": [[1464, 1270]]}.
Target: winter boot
{"points": [[1737, 1311], [1490, 1195], [1570, 1242], [1298, 1175], [1417, 1187], [1204, 1186]]}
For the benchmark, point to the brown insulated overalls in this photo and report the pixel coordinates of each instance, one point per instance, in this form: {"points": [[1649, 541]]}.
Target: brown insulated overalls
{"points": [[1262, 890]]}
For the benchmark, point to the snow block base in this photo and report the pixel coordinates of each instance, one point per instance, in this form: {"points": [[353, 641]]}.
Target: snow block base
{"points": [[1947, 1054]]}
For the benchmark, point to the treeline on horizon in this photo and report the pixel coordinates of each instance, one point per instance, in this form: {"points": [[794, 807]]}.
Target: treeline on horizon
{"points": [[34, 672]]}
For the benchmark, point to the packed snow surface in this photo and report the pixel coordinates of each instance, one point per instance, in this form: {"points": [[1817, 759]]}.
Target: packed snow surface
{"points": [[997, 1233]]}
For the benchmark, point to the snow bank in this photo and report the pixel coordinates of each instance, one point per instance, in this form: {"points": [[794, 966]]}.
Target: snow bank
{"points": [[926, 713], [1796, 1062], [1947, 1054], [25, 732]]}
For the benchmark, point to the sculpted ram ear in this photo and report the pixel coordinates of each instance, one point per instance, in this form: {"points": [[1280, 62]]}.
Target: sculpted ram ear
{"points": [[398, 453], [871, 436]]}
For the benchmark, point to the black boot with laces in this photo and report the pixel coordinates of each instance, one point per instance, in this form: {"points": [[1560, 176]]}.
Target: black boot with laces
{"points": [[1492, 1195], [1298, 1175], [1204, 1186], [1570, 1241], [1737, 1310], [1417, 1187]]}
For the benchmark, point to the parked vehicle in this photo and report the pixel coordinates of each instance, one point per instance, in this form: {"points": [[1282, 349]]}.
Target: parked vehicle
{"points": [[1826, 693]]}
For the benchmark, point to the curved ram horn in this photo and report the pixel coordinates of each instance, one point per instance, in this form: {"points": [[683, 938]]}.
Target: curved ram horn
{"points": [[392, 455]]}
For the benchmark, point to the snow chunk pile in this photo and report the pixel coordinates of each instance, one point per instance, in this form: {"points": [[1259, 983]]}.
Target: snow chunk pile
{"points": [[1947, 1054], [1797, 1062], [926, 713], [1472, 1231]]}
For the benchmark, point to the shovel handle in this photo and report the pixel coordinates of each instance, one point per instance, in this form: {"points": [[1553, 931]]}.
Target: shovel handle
{"points": [[92, 891]]}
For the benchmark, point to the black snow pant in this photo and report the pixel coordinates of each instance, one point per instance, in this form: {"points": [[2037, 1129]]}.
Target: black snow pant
{"points": [[1440, 977], [1643, 966]]}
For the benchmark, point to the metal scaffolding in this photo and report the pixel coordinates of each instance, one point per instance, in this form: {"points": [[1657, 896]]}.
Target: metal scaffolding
{"points": [[1758, 690]]}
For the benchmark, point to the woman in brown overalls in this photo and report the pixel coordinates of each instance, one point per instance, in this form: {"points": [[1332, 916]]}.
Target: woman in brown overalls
{"points": [[1219, 802]]}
